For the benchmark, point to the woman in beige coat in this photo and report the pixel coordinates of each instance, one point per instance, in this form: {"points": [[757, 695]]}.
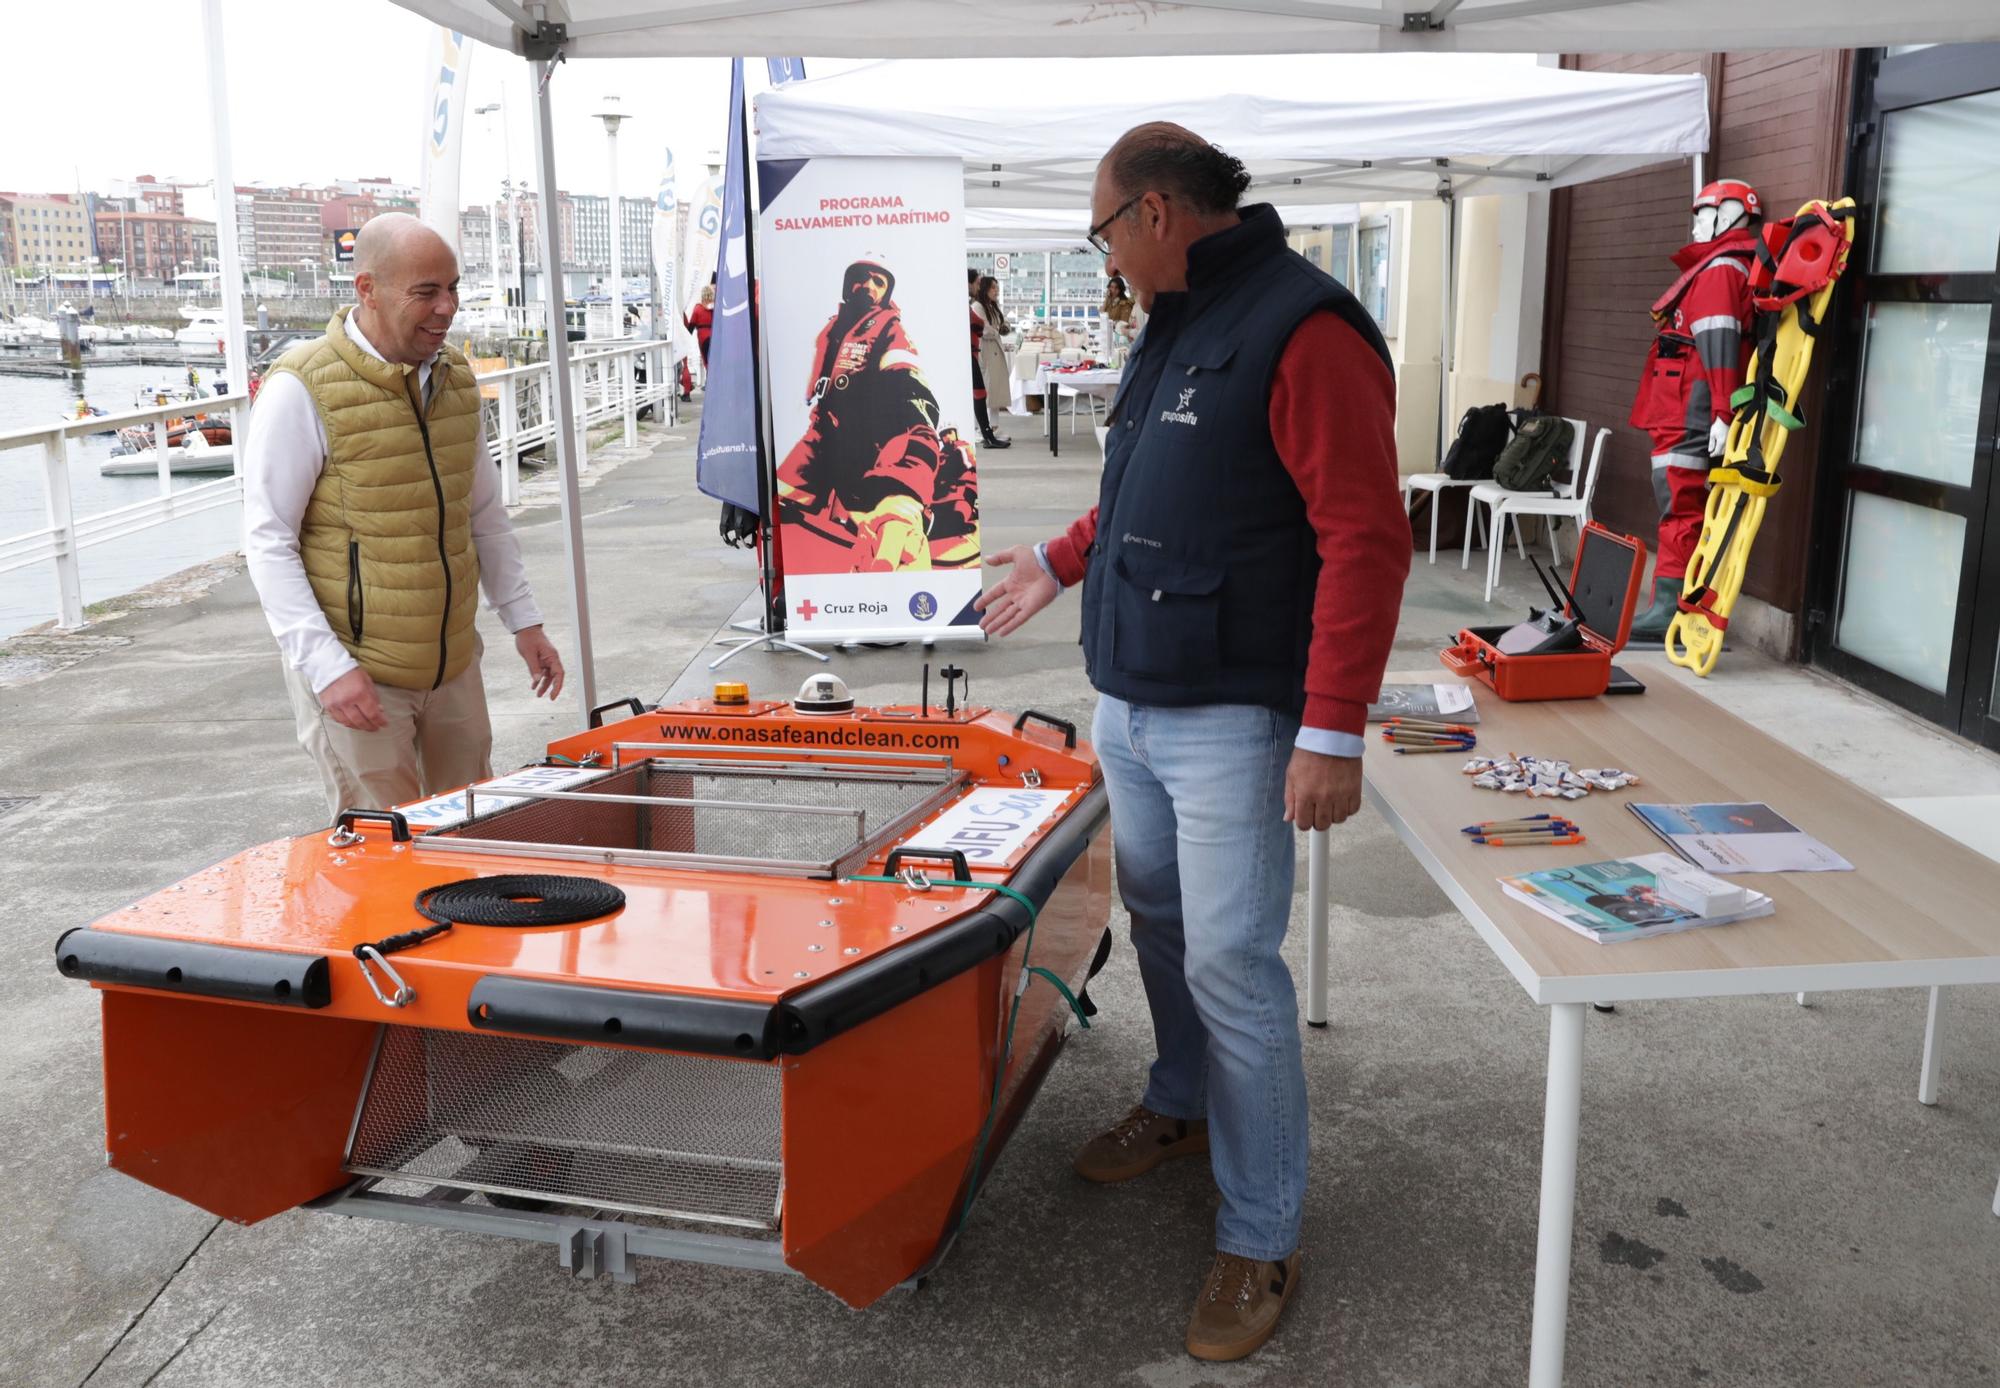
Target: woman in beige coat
{"points": [[994, 365]]}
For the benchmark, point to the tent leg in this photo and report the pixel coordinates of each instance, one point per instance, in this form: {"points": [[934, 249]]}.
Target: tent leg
{"points": [[1448, 293], [583, 676], [235, 350]]}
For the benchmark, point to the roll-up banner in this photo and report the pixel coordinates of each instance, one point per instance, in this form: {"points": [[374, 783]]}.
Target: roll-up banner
{"points": [[870, 349], [448, 76]]}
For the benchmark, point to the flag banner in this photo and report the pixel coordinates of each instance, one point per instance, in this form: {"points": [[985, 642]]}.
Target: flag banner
{"points": [[726, 457], [666, 260], [868, 337], [783, 70], [448, 75]]}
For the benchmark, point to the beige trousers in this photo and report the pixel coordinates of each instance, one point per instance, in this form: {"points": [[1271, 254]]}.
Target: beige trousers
{"points": [[437, 740]]}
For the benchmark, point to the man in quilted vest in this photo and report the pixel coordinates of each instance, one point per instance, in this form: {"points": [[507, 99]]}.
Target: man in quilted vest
{"points": [[372, 518]]}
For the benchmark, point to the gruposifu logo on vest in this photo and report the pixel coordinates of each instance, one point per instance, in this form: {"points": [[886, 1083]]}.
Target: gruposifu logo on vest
{"points": [[1180, 413]]}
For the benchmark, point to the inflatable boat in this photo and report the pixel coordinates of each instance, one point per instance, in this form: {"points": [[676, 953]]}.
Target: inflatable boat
{"points": [[764, 984]]}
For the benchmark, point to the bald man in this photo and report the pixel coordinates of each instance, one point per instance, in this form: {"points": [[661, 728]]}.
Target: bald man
{"points": [[373, 518]]}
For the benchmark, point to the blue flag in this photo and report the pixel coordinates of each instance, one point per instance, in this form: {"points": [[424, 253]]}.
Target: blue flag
{"points": [[726, 457], [785, 70]]}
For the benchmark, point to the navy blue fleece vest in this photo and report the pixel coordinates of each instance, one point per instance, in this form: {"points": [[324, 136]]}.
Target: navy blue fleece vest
{"points": [[1200, 583]]}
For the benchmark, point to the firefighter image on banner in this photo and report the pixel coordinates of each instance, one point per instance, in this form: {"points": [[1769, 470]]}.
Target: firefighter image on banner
{"points": [[871, 391]]}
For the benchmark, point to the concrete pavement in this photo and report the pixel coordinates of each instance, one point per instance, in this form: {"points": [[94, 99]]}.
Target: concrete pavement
{"points": [[1761, 1200]]}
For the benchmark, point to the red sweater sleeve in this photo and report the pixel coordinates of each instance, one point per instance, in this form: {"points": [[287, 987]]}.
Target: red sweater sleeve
{"points": [[1069, 552], [1333, 419]]}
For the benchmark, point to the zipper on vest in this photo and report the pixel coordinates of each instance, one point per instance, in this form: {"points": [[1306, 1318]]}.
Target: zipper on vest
{"points": [[357, 609], [444, 561]]}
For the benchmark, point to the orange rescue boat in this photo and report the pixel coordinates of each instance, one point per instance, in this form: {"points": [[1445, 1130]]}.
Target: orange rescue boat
{"points": [[828, 958]]}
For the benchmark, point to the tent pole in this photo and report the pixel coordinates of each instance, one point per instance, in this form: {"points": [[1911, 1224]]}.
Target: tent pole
{"points": [[583, 677], [1700, 173], [1448, 293], [235, 349]]}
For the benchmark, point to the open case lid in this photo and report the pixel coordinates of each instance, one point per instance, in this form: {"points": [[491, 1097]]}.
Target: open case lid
{"points": [[1605, 583]]}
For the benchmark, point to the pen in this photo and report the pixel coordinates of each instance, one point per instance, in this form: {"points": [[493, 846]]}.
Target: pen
{"points": [[1440, 747], [1521, 819], [1516, 840]]}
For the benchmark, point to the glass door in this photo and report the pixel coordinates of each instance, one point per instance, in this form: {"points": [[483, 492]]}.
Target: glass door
{"points": [[1907, 592]]}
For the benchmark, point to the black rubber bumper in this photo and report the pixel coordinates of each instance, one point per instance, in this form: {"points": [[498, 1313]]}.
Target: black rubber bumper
{"points": [[627, 1017], [203, 970]]}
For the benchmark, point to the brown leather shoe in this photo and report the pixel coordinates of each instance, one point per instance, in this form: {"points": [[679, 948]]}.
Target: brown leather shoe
{"points": [[1239, 1305], [1138, 1143]]}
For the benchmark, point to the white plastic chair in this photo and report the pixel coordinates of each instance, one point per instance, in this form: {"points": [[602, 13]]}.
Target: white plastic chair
{"points": [[1511, 506], [1071, 394], [1436, 483]]}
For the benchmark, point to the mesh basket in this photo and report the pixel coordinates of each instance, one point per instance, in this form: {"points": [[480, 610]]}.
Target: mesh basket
{"points": [[684, 1137]]}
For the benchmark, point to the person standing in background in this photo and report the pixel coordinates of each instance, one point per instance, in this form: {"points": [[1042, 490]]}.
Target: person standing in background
{"points": [[994, 364]]}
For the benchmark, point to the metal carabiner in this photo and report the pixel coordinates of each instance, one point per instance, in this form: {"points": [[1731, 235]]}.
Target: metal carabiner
{"points": [[1031, 778], [343, 838], [404, 995], [915, 879]]}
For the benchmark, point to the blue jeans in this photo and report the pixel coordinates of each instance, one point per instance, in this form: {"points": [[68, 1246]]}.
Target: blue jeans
{"points": [[1204, 864]]}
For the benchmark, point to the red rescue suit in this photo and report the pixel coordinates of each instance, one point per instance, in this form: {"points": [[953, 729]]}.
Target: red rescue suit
{"points": [[1692, 369], [863, 475]]}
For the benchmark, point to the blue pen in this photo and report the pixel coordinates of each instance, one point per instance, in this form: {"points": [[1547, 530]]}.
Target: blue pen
{"points": [[1519, 819]]}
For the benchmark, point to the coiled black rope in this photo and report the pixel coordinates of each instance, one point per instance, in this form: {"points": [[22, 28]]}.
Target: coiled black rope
{"points": [[511, 899]]}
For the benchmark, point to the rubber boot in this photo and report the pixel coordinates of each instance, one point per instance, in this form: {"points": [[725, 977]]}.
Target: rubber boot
{"points": [[1650, 626]]}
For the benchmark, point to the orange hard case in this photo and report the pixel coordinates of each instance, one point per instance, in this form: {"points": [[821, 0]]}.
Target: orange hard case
{"points": [[1605, 583]]}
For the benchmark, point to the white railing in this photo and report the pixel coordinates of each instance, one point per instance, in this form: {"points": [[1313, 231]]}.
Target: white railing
{"points": [[603, 382]]}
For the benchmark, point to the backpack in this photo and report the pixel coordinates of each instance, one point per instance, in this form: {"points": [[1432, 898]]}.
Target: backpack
{"points": [[1536, 453], [1481, 435]]}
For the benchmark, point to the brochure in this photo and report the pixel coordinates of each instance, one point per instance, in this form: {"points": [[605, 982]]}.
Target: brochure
{"points": [[1619, 899], [1451, 703], [1739, 838]]}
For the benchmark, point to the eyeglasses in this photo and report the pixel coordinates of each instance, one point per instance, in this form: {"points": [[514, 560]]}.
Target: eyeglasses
{"points": [[1096, 234]]}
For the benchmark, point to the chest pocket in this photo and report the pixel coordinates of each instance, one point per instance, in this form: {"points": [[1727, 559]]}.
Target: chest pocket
{"points": [[1166, 615], [1190, 389]]}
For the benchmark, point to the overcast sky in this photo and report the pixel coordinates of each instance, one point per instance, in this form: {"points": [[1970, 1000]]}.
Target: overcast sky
{"points": [[317, 92]]}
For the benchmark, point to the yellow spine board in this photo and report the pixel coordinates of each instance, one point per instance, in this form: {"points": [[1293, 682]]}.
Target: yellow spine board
{"points": [[1692, 639]]}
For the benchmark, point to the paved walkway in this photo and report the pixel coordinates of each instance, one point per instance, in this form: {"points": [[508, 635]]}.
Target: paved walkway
{"points": [[1761, 1200]]}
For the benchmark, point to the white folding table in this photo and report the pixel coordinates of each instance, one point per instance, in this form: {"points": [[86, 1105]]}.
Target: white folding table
{"points": [[1917, 912]]}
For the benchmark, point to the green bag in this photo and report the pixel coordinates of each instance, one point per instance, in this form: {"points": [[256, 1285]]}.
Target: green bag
{"points": [[1536, 453]]}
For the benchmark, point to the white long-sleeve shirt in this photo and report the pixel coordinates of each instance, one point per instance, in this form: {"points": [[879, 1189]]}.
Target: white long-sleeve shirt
{"points": [[285, 454]]}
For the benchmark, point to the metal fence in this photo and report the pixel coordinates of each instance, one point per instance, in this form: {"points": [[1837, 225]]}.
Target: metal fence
{"points": [[518, 415]]}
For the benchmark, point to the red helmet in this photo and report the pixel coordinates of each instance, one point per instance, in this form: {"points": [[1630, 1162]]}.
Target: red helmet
{"points": [[1727, 189]]}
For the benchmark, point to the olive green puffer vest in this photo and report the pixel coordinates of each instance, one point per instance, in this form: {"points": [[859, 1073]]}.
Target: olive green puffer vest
{"points": [[387, 535]]}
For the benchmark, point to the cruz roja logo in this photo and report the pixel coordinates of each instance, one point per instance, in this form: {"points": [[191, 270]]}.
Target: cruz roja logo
{"points": [[923, 607], [1180, 413]]}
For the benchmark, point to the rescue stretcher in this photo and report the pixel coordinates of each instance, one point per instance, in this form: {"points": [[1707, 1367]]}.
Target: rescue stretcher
{"points": [[798, 1043]]}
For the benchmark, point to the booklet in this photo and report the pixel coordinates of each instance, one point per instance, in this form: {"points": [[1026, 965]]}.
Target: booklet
{"points": [[1739, 838], [1448, 703], [1619, 899]]}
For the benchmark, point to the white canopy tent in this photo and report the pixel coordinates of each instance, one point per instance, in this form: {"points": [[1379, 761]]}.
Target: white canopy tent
{"points": [[1311, 128], [1064, 228], [1119, 28]]}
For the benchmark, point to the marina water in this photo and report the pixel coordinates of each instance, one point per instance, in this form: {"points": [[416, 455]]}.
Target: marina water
{"points": [[28, 596]]}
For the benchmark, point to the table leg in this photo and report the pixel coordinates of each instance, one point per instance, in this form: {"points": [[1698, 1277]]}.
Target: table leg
{"points": [[1561, 1116], [1051, 406], [1927, 1080], [1996, 1202], [1316, 925]]}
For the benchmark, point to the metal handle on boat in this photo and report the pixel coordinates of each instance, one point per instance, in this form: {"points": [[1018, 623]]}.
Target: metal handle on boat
{"points": [[954, 856], [597, 714], [1062, 725], [343, 828], [404, 994]]}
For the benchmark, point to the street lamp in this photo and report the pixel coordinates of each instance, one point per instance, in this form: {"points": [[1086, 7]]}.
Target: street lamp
{"points": [[312, 271], [613, 116], [506, 190]]}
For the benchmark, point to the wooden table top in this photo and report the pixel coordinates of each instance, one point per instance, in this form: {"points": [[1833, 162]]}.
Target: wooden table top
{"points": [[1919, 909]]}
